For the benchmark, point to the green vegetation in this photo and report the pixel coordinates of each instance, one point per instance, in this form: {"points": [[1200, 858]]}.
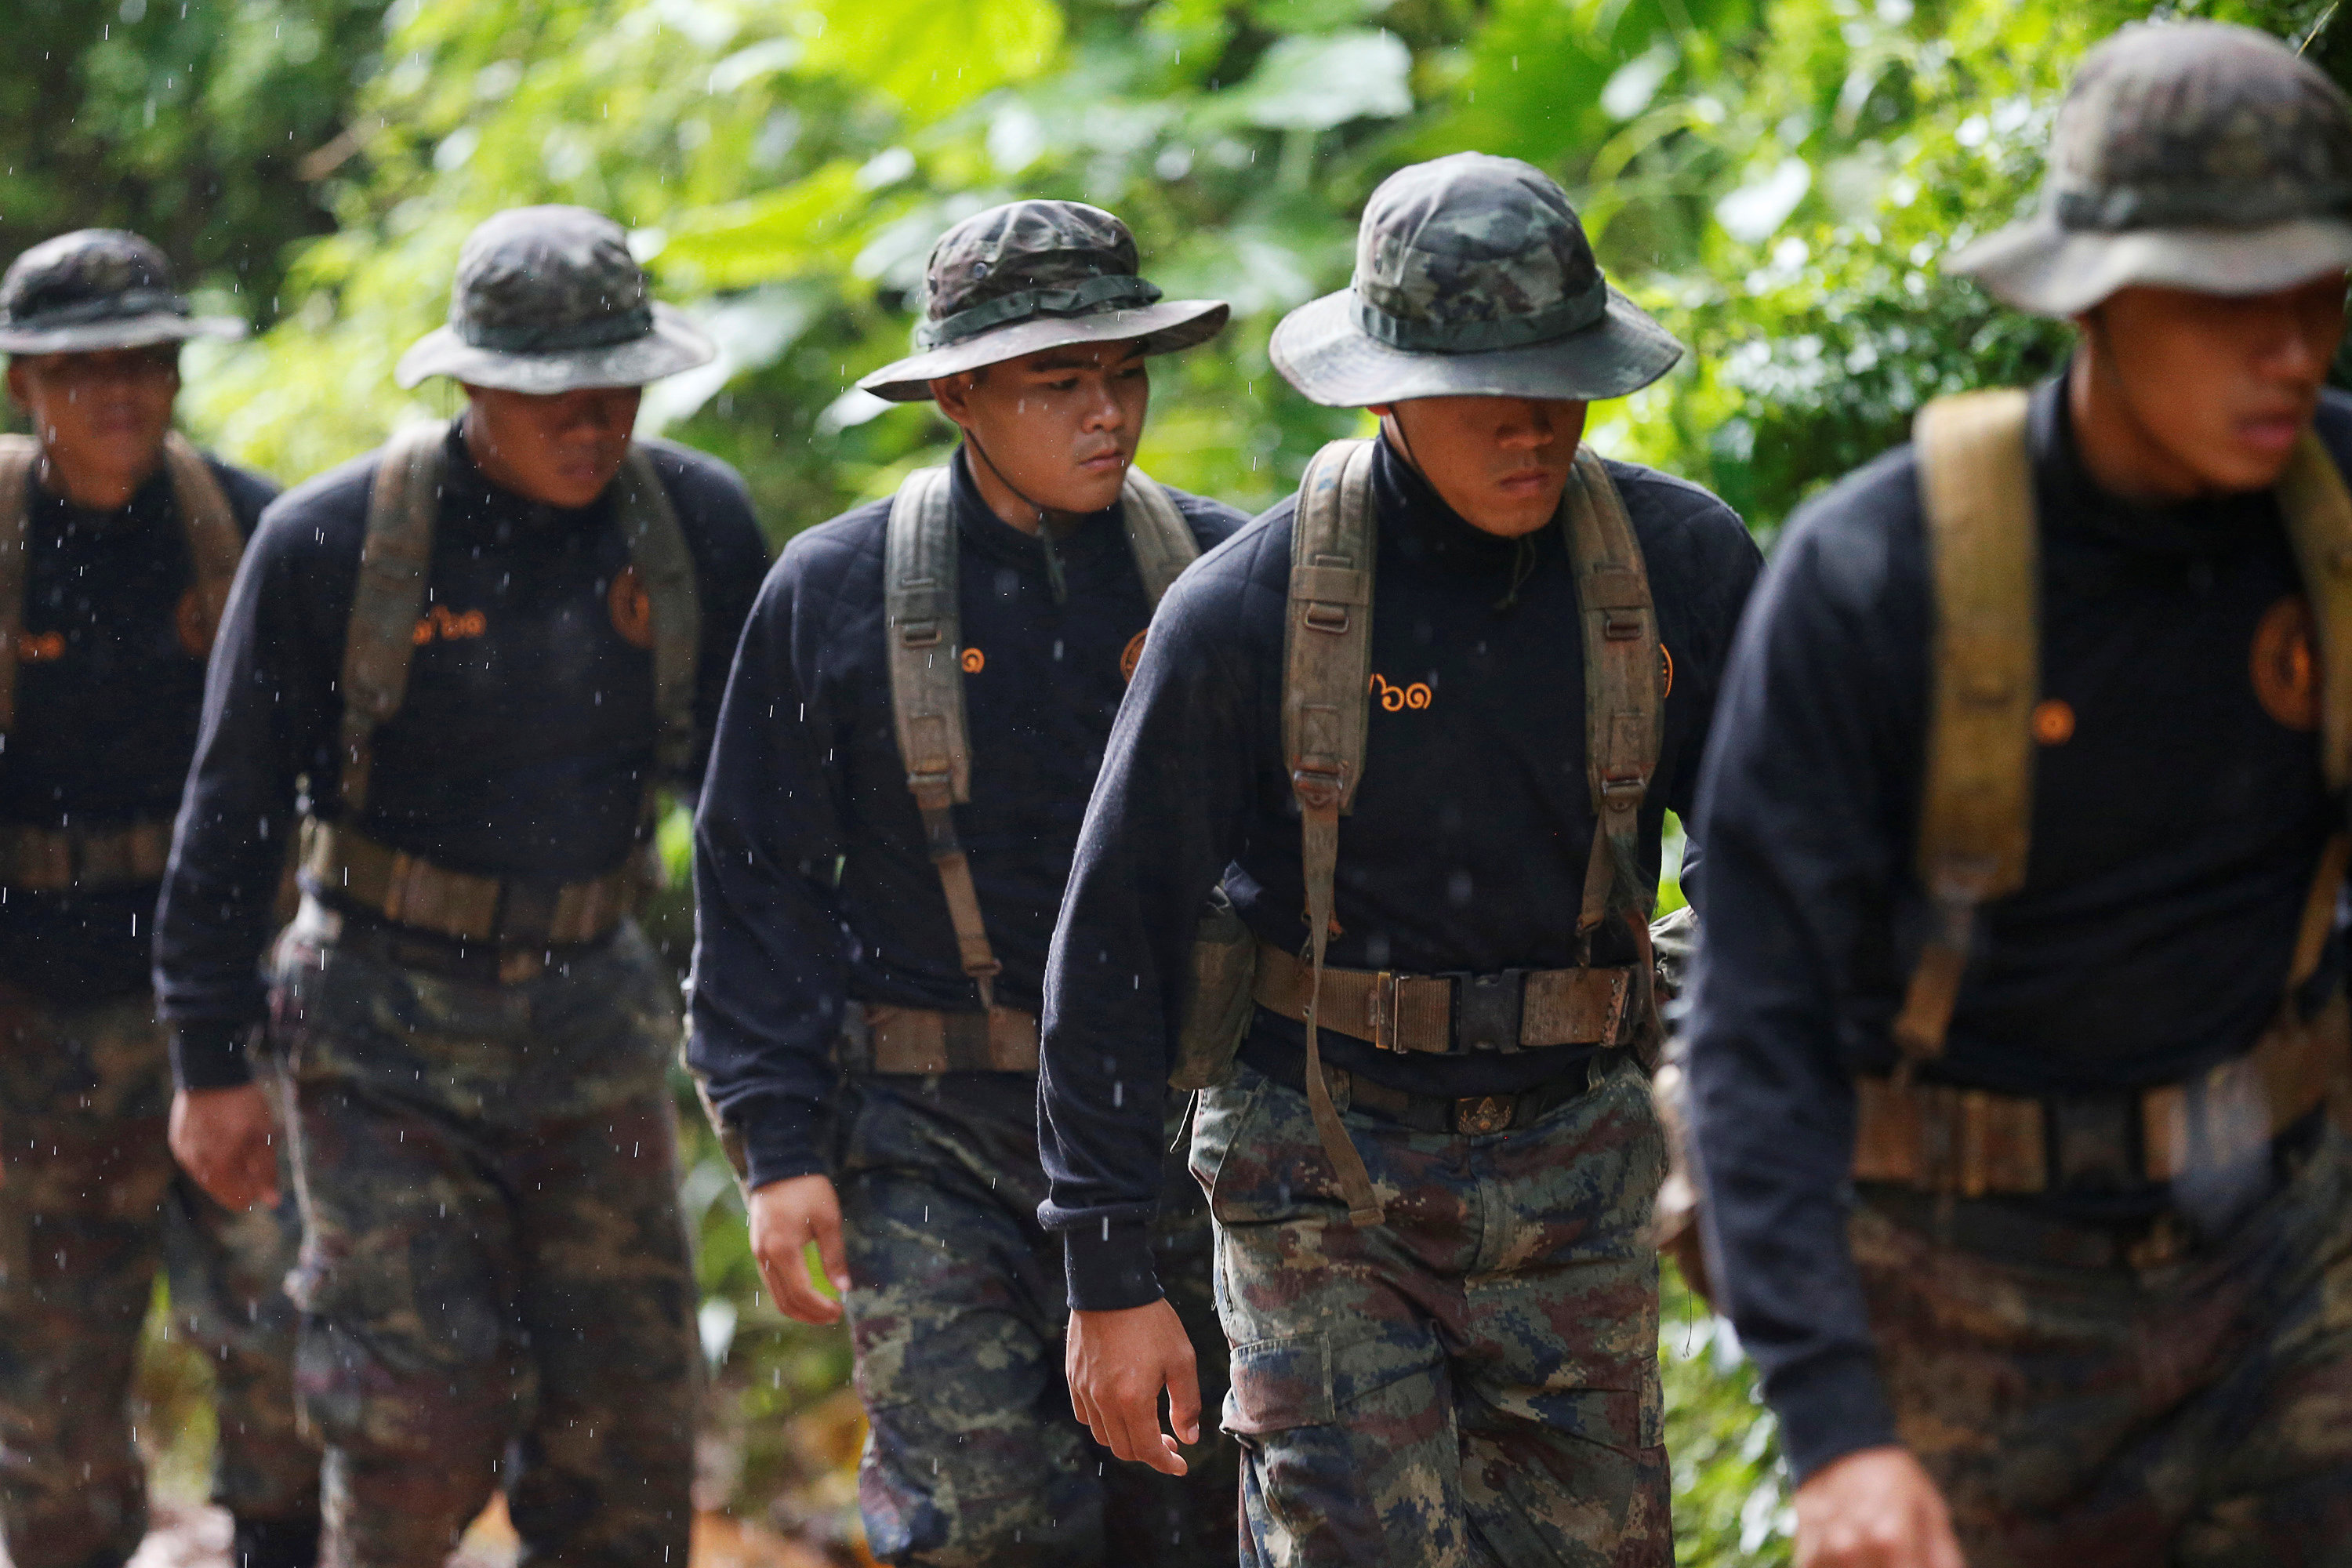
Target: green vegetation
{"points": [[1778, 179]]}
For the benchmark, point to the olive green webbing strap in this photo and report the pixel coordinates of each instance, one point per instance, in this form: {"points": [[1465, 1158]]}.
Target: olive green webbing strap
{"points": [[1157, 533], [214, 541], [1624, 701], [395, 558], [2317, 511], [18, 454], [1327, 672], [1977, 493], [665, 568]]}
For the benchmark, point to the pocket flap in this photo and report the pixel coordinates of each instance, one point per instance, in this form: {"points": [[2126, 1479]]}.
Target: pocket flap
{"points": [[1280, 1383]]}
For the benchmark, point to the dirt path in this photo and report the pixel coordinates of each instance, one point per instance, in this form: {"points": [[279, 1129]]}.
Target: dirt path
{"points": [[186, 1537]]}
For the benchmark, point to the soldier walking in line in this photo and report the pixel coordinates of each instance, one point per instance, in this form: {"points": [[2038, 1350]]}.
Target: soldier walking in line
{"points": [[117, 542], [1425, 721], [473, 657], [915, 720], [2022, 988]]}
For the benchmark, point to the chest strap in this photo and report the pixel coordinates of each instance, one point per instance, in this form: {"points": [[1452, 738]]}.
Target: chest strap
{"points": [[50, 860], [346, 868], [1448, 1014], [881, 1040]]}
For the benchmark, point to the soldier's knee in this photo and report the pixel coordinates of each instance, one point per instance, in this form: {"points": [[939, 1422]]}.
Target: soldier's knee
{"points": [[378, 1406], [1010, 1495]]}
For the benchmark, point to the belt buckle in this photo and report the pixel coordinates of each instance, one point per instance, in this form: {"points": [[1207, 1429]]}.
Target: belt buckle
{"points": [[1476, 1115], [1387, 1027], [1487, 1010]]}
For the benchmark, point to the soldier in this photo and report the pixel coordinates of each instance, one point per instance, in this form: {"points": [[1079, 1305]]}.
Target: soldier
{"points": [[923, 674], [475, 654], [117, 543], [2015, 1169], [1494, 652]]}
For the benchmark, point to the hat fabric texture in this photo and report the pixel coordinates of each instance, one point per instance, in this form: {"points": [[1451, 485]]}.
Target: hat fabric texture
{"points": [[548, 299], [1474, 278], [1029, 276], [98, 289], [2192, 155]]}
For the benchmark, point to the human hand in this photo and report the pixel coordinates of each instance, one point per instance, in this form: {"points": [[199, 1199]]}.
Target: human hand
{"points": [[226, 1140], [1117, 1363], [1875, 1507], [785, 1218]]}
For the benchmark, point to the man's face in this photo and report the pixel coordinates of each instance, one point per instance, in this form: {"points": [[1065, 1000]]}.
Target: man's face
{"points": [[2223, 385], [559, 447], [100, 417], [1501, 462], [1060, 427]]}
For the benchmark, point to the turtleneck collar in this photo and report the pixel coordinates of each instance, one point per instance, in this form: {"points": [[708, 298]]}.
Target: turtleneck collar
{"points": [[2208, 525], [150, 505], [982, 528], [1425, 530]]}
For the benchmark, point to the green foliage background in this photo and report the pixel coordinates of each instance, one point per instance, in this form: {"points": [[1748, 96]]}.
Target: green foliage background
{"points": [[1778, 179]]}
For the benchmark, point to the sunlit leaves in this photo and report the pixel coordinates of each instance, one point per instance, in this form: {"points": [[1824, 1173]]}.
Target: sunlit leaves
{"points": [[932, 55]]}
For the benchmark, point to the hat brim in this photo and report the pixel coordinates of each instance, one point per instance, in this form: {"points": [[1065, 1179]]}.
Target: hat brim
{"points": [[1321, 349], [675, 344], [1164, 328], [2037, 267], [121, 332]]}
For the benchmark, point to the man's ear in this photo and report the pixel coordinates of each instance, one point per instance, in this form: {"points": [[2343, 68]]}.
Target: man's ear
{"points": [[953, 395], [18, 396]]}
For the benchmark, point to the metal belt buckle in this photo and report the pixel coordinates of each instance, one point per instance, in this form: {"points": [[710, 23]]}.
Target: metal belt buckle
{"points": [[1487, 1009], [1388, 1031], [1479, 1114]]}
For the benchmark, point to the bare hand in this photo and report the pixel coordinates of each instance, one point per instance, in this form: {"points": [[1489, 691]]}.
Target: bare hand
{"points": [[786, 1216], [1875, 1507], [1119, 1362], [226, 1140]]}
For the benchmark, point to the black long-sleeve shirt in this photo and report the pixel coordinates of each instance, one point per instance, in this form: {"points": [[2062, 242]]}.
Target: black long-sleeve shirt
{"points": [[108, 689], [520, 750], [2174, 835], [813, 884], [1465, 852]]}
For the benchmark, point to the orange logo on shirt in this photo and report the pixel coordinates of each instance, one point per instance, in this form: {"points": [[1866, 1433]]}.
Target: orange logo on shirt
{"points": [[1131, 656], [442, 623], [1396, 699], [41, 647], [194, 626], [972, 660], [2285, 670], [632, 607], [2053, 721], [1666, 671]]}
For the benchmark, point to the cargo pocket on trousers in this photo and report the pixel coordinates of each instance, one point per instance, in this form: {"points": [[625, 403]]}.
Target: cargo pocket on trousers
{"points": [[1278, 1385]]}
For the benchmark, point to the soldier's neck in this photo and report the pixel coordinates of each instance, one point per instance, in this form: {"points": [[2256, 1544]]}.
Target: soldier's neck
{"points": [[2122, 455]]}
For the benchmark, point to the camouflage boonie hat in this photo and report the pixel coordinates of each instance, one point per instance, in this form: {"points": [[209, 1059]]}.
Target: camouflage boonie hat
{"points": [[2187, 155], [1473, 279], [98, 289], [548, 299], [1031, 275]]}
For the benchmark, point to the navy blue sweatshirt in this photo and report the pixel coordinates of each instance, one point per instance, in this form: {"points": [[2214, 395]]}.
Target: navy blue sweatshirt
{"points": [[1465, 852], [2174, 834], [108, 694], [521, 747], [812, 887]]}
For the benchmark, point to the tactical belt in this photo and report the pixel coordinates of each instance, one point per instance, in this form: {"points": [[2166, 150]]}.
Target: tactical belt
{"points": [[1972, 1142], [370, 936], [1467, 1116], [46, 860], [881, 1040], [1447, 1015], [349, 868]]}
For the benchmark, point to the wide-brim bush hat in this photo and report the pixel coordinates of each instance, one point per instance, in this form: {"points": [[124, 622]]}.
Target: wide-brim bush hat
{"points": [[548, 299], [1474, 278], [2193, 155], [98, 289], [1029, 276]]}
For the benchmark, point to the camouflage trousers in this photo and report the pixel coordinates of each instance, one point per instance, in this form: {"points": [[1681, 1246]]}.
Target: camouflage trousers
{"points": [[91, 1207], [958, 1310], [494, 1279], [1477, 1381], [2196, 1414]]}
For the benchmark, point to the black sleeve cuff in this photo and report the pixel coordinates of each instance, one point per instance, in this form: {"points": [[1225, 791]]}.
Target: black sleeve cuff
{"points": [[1110, 1266], [780, 1137], [208, 1054], [1830, 1408]]}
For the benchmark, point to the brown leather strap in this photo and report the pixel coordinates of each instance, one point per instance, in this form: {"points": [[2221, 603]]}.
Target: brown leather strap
{"points": [[2318, 511], [1420, 1012], [349, 867], [1972, 1142], [215, 543], [885, 1039], [46, 860]]}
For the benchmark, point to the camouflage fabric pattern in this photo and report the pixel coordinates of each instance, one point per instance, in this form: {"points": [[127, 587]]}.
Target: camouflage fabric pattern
{"points": [[1023, 248], [495, 1279], [957, 1310], [2199, 124], [1475, 1382], [91, 1208], [2197, 1414], [96, 288]]}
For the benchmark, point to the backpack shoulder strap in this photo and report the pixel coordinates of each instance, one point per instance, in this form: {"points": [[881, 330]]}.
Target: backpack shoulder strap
{"points": [[1624, 682], [404, 505], [924, 641], [1156, 532], [215, 543], [1326, 681], [18, 455], [2318, 515], [1976, 482], [664, 566]]}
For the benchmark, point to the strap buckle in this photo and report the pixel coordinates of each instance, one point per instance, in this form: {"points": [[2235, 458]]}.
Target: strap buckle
{"points": [[1387, 1026], [1488, 1009]]}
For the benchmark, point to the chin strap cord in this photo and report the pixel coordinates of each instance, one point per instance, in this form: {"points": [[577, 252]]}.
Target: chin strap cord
{"points": [[1053, 574]]}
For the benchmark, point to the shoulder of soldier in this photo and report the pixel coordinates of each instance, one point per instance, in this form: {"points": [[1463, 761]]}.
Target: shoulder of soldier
{"points": [[249, 493], [1212, 521], [1235, 587], [321, 521], [714, 504], [2332, 424], [1858, 543], [1690, 537], [838, 561]]}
